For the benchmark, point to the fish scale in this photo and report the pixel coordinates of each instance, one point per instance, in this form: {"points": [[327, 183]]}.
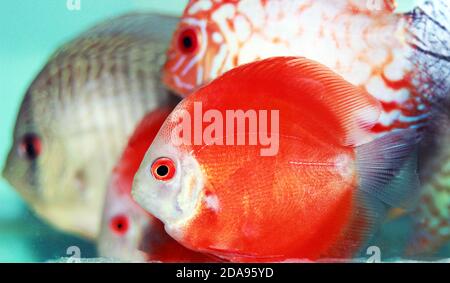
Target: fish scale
{"points": [[83, 106]]}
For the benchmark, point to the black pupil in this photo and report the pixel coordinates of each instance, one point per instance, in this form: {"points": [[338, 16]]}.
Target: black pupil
{"points": [[119, 226], [162, 170], [30, 147], [187, 42]]}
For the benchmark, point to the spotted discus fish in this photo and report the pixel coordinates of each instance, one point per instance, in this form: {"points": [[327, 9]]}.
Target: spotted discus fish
{"points": [[78, 113], [396, 57]]}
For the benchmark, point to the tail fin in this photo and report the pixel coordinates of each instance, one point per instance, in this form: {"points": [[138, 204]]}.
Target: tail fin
{"points": [[387, 168]]}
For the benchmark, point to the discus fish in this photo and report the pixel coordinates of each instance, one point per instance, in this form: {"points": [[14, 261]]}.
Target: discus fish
{"points": [[77, 116], [320, 195], [397, 57], [128, 232]]}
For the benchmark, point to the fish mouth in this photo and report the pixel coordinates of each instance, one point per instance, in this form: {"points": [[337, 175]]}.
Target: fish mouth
{"points": [[6, 175], [9, 174]]}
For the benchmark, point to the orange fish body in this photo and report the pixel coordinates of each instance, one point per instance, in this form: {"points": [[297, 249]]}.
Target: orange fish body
{"points": [[254, 223], [308, 197], [128, 232]]}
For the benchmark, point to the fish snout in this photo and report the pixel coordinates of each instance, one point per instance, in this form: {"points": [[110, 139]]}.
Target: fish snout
{"points": [[6, 172]]}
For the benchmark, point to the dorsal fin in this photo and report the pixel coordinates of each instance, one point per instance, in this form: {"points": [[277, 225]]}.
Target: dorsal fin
{"points": [[304, 91]]}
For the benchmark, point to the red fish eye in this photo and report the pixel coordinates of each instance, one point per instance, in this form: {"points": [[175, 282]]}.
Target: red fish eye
{"points": [[187, 41], [119, 224], [30, 146], [163, 169]]}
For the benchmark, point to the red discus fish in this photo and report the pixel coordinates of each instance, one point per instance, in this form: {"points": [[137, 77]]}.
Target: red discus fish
{"points": [[128, 232], [281, 169]]}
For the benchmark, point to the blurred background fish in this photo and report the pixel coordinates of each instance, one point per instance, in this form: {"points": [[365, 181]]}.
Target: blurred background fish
{"points": [[429, 29], [128, 232], [431, 218], [77, 116]]}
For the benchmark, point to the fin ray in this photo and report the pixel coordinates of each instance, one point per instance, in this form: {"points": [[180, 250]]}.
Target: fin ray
{"points": [[387, 168]]}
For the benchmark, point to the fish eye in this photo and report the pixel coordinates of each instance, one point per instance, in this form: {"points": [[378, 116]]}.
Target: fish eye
{"points": [[188, 41], [119, 224], [30, 146], [163, 169]]}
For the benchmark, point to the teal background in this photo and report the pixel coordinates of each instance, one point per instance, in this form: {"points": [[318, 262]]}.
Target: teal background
{"points": [[30, 31]]}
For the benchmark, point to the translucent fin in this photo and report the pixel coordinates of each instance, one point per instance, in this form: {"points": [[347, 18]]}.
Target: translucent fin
{"points": [[387, 168], [369, 214], [403, 191]]}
